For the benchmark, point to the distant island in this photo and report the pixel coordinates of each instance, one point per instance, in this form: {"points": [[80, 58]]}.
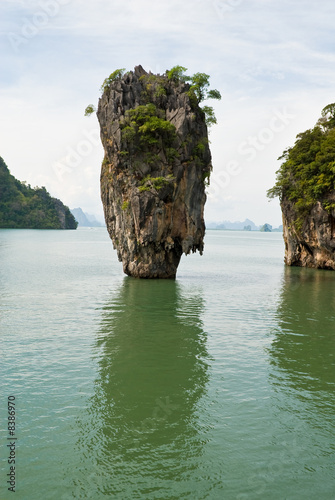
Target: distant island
{"points": [[84, 219], [247, 225], [24, 207]]}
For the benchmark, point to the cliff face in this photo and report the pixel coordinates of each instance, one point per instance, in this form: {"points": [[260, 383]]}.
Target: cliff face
{"points": [[314, 244], [154, 172], [65, 217], [305, 185]]}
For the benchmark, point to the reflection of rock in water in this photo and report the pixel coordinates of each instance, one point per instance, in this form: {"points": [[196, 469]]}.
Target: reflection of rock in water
{"points": [[152, 372], [304, 346]]}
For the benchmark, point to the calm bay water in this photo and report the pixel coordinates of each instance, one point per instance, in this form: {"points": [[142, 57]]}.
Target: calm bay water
{"points": [[219, 385]]}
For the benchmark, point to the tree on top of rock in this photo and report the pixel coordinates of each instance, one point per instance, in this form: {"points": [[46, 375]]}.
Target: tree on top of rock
{"points": [[199, 89]]}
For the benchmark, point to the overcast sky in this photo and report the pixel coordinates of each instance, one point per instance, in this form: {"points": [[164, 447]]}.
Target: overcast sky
{"points": [[273, 62]]}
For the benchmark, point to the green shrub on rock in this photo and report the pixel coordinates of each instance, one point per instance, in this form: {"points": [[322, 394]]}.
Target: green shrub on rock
{"points": [[307, 174]]}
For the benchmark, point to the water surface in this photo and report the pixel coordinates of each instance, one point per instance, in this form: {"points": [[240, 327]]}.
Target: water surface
{"points": [[217, 385]]}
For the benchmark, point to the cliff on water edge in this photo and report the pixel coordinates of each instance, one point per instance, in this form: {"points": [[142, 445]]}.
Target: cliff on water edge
{"points": [[156, 166], [305, 186]]}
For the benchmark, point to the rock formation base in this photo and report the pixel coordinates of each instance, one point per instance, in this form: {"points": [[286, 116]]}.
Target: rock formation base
{"points": [[314, 244]]}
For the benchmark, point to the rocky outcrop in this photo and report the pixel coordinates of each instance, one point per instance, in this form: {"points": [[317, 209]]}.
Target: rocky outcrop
{"points": [[313, 244], [156, 165], [305, 185]]}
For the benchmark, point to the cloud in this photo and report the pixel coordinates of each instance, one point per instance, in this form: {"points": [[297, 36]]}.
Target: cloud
{"points": [[263, 55]]}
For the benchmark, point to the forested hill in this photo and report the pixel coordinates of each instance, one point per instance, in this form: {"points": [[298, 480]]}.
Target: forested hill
{"points": [[307, 174], [22, 207]]}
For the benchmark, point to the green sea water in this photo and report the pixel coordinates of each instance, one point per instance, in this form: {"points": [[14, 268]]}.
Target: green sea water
{"points": [[218, 385]]}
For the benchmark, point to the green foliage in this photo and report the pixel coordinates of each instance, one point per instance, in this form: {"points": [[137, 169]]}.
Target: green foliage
{"points": [[128, 133], [154, 128], [329, 206], [154, 85], [210, 117], [214, 94], [150, 78], [201, 147], [193, 98], [206, 178], [199, 85], [125, 205], [151, 158], [145, 127], [21, 206], [177, 74], [156, 183], [307, 173], [116, 75], [199, 90], [327, 120], [171, 154], [90, 109], [154, 124], [160, 91], [144, 188]]}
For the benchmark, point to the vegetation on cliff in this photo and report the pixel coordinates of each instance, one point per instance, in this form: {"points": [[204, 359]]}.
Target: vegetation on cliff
{"points": [[307, 174], [145, 130], [22, 207], [199, 90], [155, 84], [144, 127], [156, 166]]}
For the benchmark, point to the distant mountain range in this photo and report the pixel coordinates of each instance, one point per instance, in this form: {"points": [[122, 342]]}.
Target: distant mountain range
{"points": [[84, 219], [247, 225], [87, 220]]}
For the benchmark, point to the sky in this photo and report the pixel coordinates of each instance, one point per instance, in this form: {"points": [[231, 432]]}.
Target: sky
{"points": [[273, 62]]}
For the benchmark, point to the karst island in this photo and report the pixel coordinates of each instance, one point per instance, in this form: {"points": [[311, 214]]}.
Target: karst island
{"points": [[305, 186], [156, 166]]}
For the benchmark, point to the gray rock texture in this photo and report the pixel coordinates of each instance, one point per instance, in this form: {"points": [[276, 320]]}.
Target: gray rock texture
{"points": [[153, 177], [314, 244]]}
